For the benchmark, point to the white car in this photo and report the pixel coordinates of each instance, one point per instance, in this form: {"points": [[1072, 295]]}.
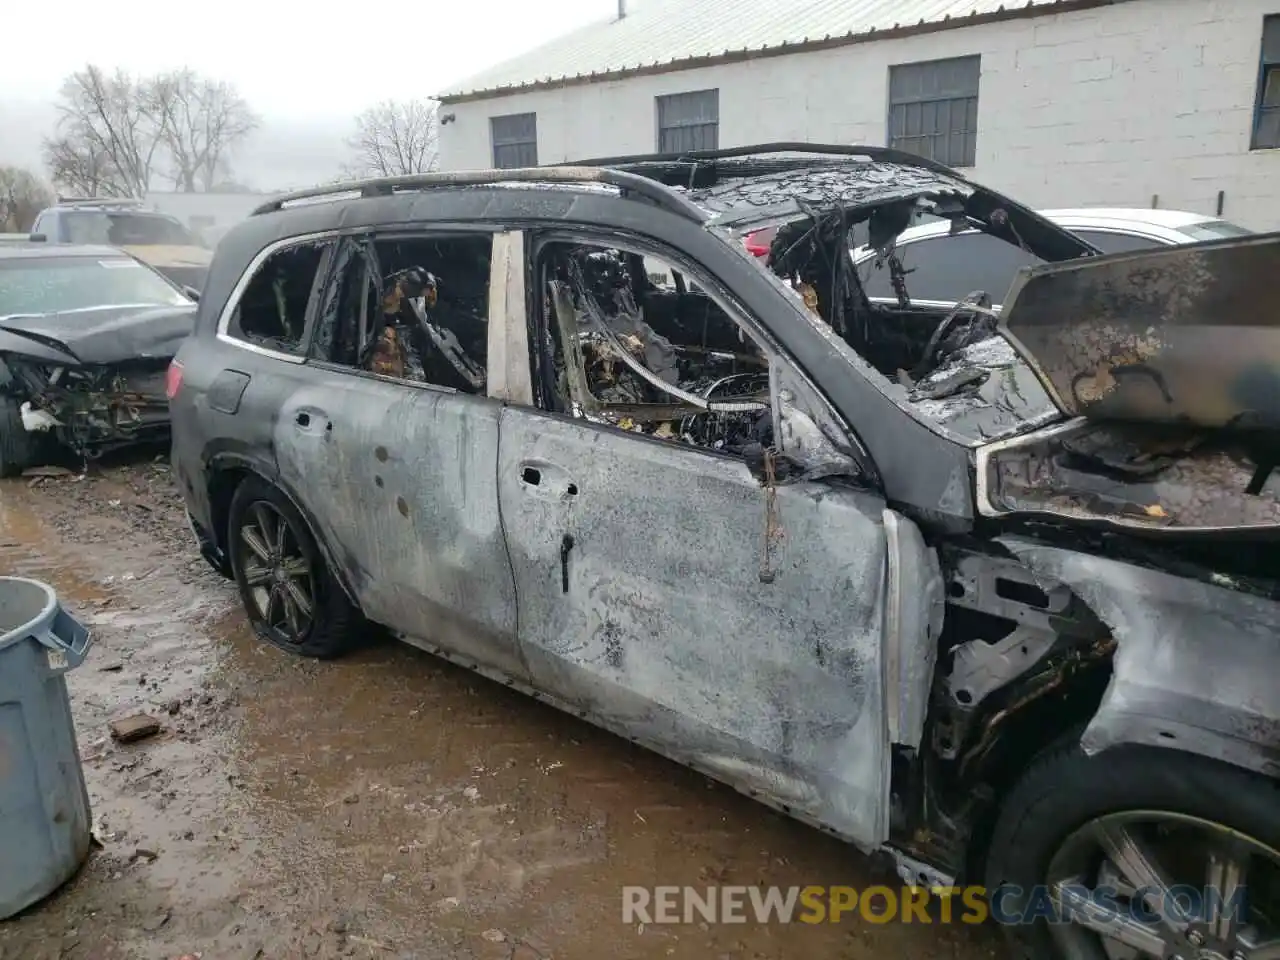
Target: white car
{"points": [[943, 267]]}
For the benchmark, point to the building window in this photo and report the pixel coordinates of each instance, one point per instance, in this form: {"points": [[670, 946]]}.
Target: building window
{"points": [[515, 140], [689, 121], [933, 109], [1266, 121]]}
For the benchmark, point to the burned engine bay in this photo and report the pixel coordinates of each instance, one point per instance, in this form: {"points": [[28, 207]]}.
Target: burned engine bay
{"points": [[646, 353], [1145, 476]]}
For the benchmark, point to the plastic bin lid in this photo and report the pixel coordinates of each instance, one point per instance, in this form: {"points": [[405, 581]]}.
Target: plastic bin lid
{"points": [[26, 606]]}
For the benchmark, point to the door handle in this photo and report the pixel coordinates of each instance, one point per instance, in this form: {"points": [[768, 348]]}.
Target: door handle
{"points": [[531, 476]]}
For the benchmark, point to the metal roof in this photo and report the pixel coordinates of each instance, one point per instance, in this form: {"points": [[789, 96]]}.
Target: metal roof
{"points": [[665, 35]]}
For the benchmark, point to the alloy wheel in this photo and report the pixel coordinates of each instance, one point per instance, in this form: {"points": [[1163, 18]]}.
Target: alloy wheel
{"points": [[1142, 884], [277, 572]]}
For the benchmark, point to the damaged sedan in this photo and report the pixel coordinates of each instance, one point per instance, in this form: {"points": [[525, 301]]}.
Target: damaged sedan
{"points": [[990, 591], [86, 336]]}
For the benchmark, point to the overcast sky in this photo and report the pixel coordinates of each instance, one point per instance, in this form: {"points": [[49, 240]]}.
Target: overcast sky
{"points": [[307, 68]]}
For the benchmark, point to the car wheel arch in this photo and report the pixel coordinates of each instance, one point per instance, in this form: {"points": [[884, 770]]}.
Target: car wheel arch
{"points": [[1167, 630], [226, 474], [1127, 701]]}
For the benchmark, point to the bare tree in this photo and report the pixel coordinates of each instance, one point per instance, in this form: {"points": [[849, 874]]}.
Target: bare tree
{"points": [[109, 132], [22, 196], [81, 167], [202, 121], [396, 137]]}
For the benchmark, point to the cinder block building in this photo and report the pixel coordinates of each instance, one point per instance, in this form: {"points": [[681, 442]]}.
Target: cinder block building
{"points": [[1061, 103]]}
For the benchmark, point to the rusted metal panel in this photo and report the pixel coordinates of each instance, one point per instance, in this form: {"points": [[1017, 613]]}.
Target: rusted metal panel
{"points": [[400, 479], [1187, 334], [1195, 665], [660, 590]]}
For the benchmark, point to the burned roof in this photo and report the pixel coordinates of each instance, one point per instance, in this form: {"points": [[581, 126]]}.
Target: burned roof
{"points": [[751, 185]]}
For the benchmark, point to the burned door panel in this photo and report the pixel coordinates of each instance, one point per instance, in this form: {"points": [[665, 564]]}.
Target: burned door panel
{"points": [[661, 592], [401, 481]]}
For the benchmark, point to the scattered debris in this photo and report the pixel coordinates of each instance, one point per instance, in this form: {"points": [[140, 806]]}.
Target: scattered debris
{"points": [[494, 936], [48, 472], [154, 922], [365, 941], [472, 794], [136, 727], [115, 666], [142, 853]]}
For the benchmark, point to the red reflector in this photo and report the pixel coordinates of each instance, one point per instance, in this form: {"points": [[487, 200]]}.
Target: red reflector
{"points": [[173, 380]]}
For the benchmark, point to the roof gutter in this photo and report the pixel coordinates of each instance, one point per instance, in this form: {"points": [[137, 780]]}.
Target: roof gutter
{"points": [[780, 50]]}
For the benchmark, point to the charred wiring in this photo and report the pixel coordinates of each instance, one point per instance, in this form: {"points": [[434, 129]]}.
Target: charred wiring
{"points": [[650, 355]]}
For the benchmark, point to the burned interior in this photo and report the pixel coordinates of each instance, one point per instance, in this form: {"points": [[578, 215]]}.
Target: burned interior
{"points": [[412, 308], [949, 367], [1199, 461], [631, 341]]}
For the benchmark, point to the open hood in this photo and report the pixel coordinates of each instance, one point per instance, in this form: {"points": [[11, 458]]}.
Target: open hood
{"points": [[1185, 335], [107, 334]]}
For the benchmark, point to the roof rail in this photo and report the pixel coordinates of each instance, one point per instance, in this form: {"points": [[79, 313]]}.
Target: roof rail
{"points": [[386, 186], [100, 202]]}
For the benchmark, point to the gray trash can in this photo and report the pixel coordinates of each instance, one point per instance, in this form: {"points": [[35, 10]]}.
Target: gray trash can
{"points": [[44, 806]]}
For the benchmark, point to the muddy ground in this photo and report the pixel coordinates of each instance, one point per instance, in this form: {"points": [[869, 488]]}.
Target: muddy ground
{"points": [[386, 805]]}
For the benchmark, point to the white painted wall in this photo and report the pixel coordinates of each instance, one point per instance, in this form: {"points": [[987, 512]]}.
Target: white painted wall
{"points": [[1102, 107]]}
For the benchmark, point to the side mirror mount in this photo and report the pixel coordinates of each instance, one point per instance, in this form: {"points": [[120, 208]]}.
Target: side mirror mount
{"points": [[809, 449], [191, 292]]}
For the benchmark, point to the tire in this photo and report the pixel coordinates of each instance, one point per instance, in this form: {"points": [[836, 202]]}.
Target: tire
{"points": [[16, 446], [334, 626], [1064, 790]]}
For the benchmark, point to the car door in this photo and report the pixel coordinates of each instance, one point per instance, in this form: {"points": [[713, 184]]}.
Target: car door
{"points": [[398, 469], [737, 627]]}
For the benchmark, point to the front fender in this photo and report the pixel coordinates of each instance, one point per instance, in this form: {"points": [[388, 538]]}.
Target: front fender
{"points": [[1195, 663]]}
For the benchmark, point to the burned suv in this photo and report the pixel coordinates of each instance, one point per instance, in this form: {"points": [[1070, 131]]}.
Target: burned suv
{"points": [[992, 593]]}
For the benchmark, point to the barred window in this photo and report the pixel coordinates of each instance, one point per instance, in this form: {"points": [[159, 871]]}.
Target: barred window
{"points": [[689, 121], [933, 109], [1266, 120], [515, 140]]}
